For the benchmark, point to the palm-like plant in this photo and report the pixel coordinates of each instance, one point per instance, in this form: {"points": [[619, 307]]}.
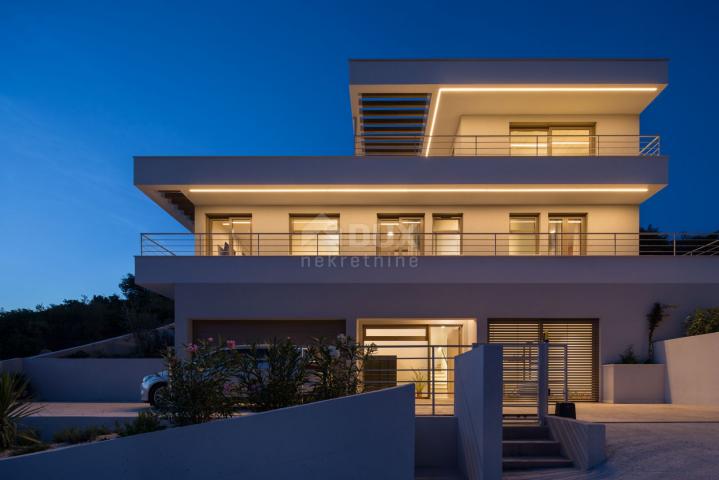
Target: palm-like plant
{"points": [[15, 404]]}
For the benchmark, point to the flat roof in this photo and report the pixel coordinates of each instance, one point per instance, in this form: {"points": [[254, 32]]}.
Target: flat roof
{"points": [[468, 71]]}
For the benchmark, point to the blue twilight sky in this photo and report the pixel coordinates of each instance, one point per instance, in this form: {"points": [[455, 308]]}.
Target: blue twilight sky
{"points": [[86, 85]]}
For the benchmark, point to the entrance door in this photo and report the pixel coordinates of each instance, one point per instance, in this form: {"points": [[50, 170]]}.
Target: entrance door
{"points": [[581, 338]]}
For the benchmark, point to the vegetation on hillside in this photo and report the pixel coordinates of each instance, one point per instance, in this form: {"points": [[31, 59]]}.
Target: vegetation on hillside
{"points": [[25, 332]]}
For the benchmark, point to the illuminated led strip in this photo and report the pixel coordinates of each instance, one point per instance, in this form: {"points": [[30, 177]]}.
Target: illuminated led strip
{"points": [[421, 190], [523, 89]]}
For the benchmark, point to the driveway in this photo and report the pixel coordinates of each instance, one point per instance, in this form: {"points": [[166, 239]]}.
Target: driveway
{"points": [[656, 451]]}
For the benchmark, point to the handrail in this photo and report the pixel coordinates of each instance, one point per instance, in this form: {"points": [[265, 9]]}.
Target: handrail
{"points": [[429, 244], [395, 141]]}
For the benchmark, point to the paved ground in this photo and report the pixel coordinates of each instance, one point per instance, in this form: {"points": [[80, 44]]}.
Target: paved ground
{"points": [[85, 409], [643, 451], [649, 413]]}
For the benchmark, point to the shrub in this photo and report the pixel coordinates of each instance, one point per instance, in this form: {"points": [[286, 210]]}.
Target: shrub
{"points": [[272, 378], [74, 435], [337, 368], [14, 406], [656, 315], [198, 389], [145, 422], [703, 320], [628, 357]]}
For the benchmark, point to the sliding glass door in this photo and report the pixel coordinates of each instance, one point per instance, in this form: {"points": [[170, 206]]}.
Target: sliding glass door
{"points": [[447, 234], [401, 235], [566, 235], [315, 235], [230, 236], [554, 140]]}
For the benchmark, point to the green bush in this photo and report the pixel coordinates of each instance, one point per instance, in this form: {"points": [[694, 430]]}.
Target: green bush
{"points": [[271, 378], [628, 357], [15, 404], [703, 320], [145, 422], [199, 389], [74, 435], [337, 367]]}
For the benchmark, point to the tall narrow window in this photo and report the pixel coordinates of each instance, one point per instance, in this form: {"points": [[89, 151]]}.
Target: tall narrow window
{"points": [[523, 234], [315, 234], [560, 140], [566, 234], [400, 235], [447, 234], [230, 236]]}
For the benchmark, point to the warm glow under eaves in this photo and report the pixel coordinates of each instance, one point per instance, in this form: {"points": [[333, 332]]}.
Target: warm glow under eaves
{"points": [[525, 90], [426, 190]]}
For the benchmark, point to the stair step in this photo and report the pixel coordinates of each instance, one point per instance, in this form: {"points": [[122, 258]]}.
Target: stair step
{"points": [[437, 474], [525, 433], [530, 448], [526, 463]]}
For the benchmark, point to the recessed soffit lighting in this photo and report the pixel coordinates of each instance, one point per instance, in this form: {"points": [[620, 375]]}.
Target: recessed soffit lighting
{"points": [[523, 90], [425, 190]]}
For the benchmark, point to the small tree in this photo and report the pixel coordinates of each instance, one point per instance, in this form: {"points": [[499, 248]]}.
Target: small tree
{"points": [[201, 388], [655, 316]]}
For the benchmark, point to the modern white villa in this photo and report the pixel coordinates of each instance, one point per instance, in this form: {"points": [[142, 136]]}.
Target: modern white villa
{"points": [[487, 201]]}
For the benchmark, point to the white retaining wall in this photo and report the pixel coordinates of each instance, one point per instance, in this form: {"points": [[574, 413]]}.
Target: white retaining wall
{"points": [[358, 437], [583, 442], [692, 376], [478, 408], [88, 379]]}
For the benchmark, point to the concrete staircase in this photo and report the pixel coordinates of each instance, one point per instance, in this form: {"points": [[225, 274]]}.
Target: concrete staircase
{"points": [[529, 447]]}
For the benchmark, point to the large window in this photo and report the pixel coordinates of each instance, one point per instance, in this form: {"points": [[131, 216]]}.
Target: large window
{"points": [[230, 235], [447, 234], [552, 139], [315, 234], [566, 234], [400, 235], [523, 234]]}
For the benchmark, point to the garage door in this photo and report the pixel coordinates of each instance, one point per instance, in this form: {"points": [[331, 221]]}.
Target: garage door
{"points": [[263, 331], [579, 335]]}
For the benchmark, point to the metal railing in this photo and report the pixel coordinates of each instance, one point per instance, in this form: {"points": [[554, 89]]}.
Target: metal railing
{"points": [[534, 375], [433, 244], [429, 367], [516, 145]]}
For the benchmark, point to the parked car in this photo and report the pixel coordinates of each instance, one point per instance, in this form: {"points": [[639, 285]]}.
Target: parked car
{"points": [[152, 385]]}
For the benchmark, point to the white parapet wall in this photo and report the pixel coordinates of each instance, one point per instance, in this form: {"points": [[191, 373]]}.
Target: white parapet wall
{"points": [[633, 383], [478, 408], [692, 376], [358, 437]]}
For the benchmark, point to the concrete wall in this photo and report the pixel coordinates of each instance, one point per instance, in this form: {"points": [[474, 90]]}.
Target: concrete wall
{"points": [[358, 437], [88, 379], [478, 408], [583, 442], [627, 383], [692, 376], [621, 308]]}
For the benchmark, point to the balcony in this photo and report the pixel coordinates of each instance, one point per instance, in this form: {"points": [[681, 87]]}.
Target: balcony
{"points": [[434, 245], [398, 139]]}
